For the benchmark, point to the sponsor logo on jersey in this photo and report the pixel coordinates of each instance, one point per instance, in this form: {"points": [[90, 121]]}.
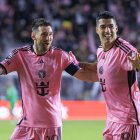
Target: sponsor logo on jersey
{"points": [[42, 74], [101, 70]]}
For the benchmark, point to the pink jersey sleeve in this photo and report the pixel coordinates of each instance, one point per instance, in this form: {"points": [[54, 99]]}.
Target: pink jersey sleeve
{"points": [[128, 50], [11, 62], [66, 59]]}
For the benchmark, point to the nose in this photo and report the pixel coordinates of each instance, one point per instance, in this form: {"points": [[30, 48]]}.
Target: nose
{"points": [[107, 29], [48, 37]]}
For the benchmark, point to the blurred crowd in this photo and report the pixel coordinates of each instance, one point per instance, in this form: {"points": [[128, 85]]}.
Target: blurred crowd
{"points": [[74, 28]]}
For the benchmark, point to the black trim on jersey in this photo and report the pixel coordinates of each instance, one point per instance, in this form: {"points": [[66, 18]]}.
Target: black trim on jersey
{"points": [[25, 48], [126, 47], [12, 54], [20, 121], [59, 133], [131, 77], [14, 51], [123, 49], [72, 69], [24, 118], [134, 133], [39, 54], [117, 42], [131, 81], [122, 46], [3, 68]]}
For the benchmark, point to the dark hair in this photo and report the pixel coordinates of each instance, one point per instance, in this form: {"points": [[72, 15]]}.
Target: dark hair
{"points": [[105, 15], [40, 22]]}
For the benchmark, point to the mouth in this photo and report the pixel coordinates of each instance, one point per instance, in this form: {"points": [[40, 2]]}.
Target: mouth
{"points": [[46, 42], [107, 37]]}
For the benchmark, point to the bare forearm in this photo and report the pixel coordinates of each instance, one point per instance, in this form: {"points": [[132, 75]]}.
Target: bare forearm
{"points": [[86, 75], [88, 66]]}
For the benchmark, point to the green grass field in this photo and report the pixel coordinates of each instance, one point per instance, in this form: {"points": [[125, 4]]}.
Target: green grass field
{"points": [[72, 130]]}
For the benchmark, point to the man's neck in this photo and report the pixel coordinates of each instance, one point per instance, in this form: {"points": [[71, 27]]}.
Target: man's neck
{"points": [[108, 46], [40, 50]]}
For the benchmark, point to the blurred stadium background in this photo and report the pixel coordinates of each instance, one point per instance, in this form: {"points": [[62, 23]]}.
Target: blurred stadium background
{"points": [[74, 30]]}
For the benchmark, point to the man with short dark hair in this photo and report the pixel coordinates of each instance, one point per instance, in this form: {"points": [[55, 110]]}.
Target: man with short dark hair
{"points": [[39, 67], [117, 79]]}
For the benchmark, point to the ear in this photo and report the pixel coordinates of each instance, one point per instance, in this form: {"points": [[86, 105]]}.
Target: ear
{"points": [[97, 30], [33, 35], [117, 28]]}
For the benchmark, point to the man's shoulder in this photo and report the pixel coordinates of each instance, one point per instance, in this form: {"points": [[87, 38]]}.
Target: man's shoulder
{"points": [[24, 48], [124, 45], [121, 41], [18, 51], [58, 50]]}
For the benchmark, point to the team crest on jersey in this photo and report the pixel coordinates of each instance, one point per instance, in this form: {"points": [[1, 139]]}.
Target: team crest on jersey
{"points": [[101, 70], [125, 136], [41, 74]]}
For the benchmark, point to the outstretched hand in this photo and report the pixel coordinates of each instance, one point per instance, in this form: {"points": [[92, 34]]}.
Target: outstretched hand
{"points": [[135, 61], [72, 56]]}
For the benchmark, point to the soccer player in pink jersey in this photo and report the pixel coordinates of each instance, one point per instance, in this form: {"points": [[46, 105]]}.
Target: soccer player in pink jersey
{"points": [[39, 67], [117, 79]]}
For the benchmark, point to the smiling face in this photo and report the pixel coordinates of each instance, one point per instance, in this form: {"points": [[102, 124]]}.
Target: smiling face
{"points": [[43, 37], [107, 31]]}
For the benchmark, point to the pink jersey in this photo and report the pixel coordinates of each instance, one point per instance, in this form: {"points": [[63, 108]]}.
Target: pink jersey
{"points": [[40, 79], [118, 82]]}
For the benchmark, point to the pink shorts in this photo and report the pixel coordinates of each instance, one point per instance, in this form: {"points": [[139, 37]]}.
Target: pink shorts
{"points": [[31, 133], [117, 131], [138, 132]]}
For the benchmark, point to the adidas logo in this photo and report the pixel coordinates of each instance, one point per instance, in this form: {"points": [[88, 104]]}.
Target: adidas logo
{"points": [[40, 61]]}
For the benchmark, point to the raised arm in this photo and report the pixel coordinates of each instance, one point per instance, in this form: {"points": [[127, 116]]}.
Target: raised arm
{"points": [[135, 61]]}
